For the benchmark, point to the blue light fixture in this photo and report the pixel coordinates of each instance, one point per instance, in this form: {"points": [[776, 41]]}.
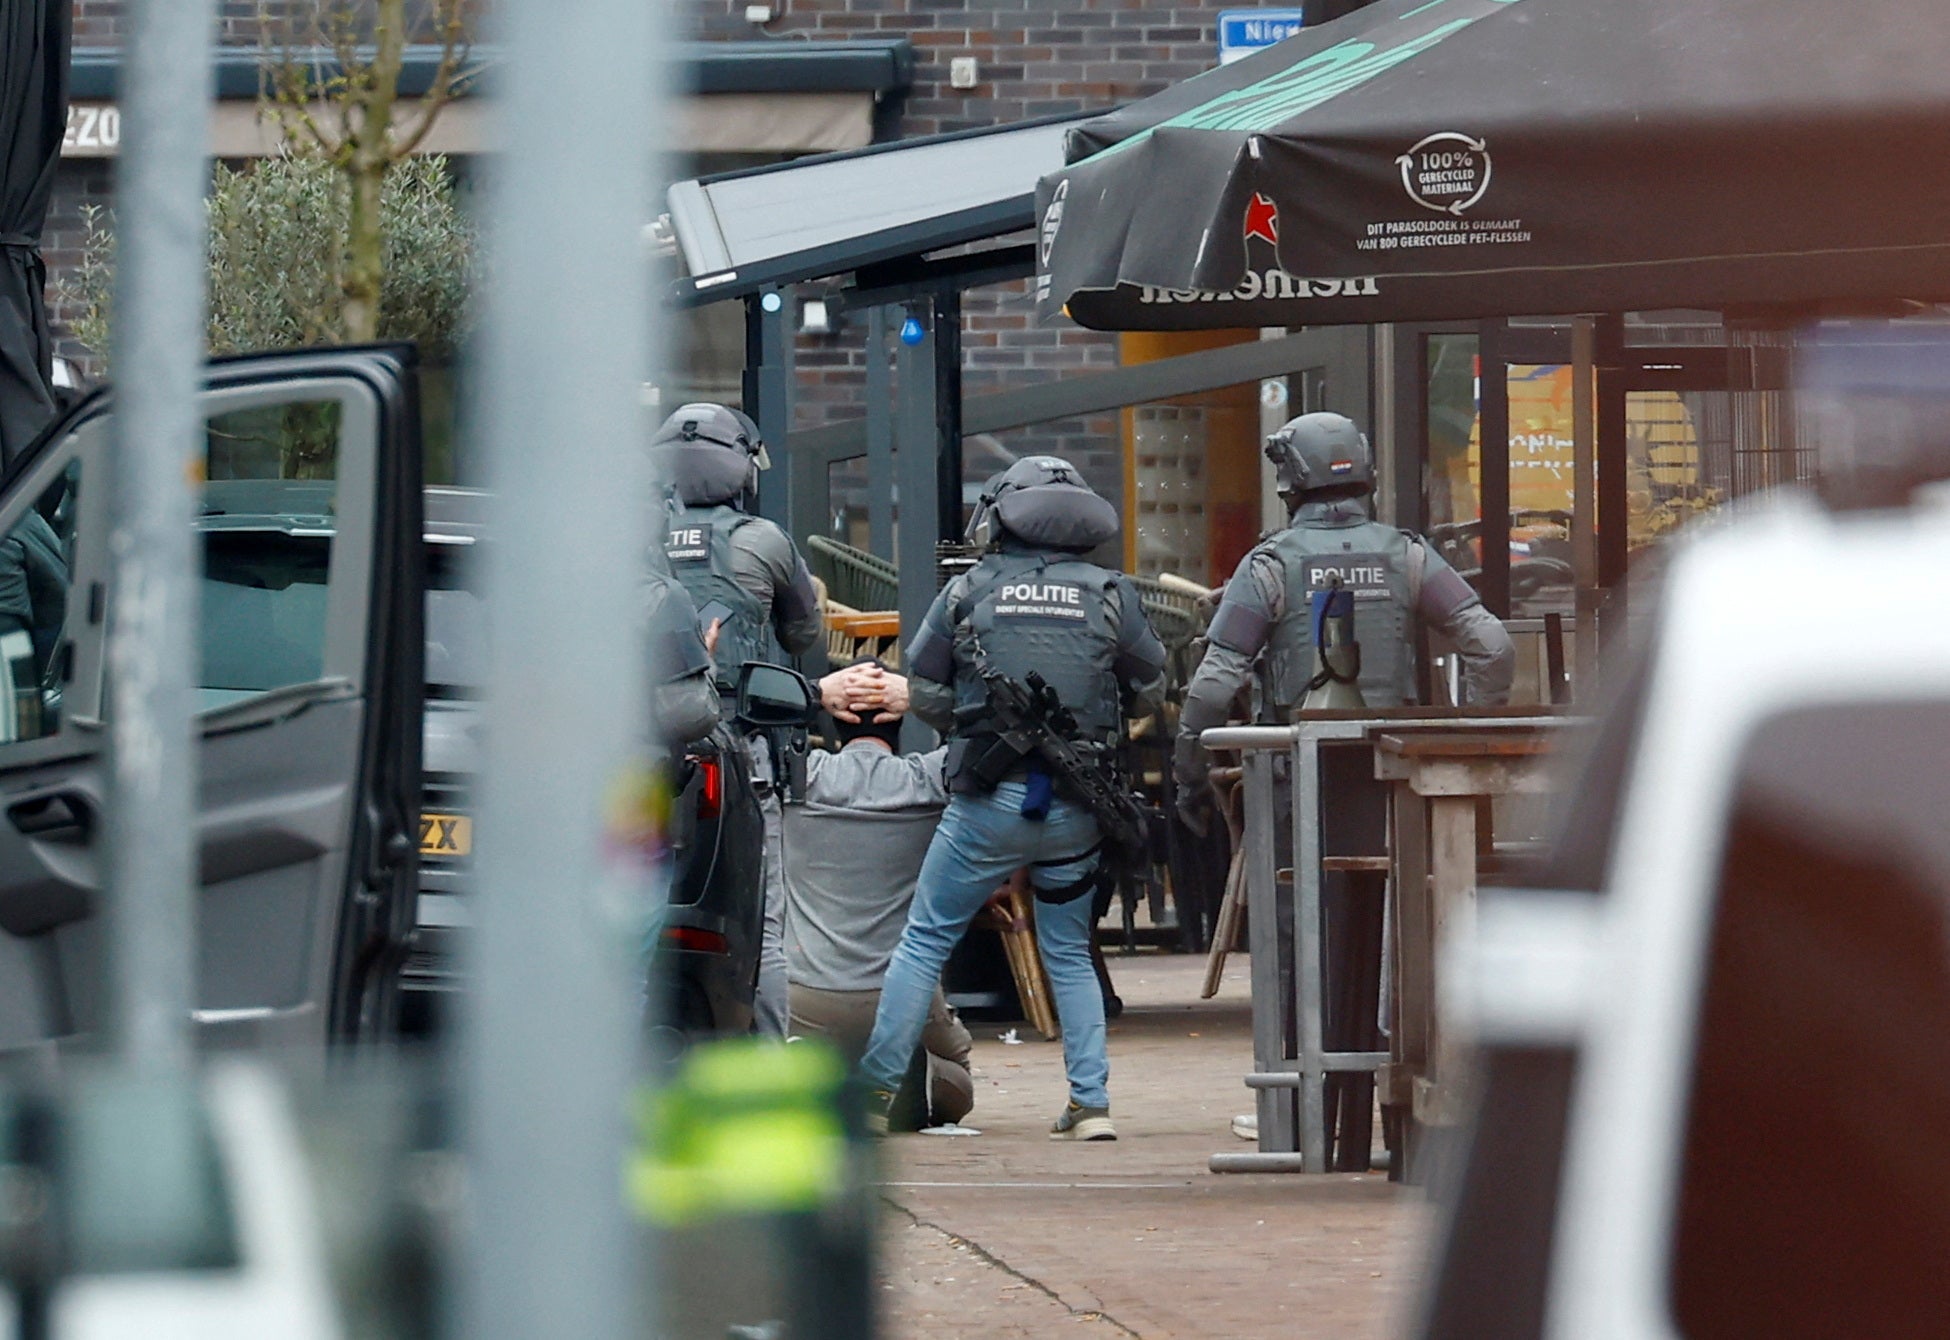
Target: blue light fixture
{"points": [[912, 331]]}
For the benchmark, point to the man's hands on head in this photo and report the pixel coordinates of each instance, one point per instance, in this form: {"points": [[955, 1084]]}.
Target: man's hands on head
{"points": [[862, 690], [893, 698]]}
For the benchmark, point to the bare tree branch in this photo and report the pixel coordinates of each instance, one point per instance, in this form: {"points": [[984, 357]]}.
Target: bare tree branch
{"points": [[450, 25], [287, 88]]}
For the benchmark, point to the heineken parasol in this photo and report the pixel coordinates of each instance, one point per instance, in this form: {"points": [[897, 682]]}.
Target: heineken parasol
{"points": [[1432, 159]]}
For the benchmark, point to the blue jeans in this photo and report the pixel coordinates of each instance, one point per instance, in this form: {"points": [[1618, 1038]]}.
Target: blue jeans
{"points": [[983, 840]]}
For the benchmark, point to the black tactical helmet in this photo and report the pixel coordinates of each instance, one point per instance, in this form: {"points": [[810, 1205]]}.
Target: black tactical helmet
{"points": [[1321, 451], [1043, 501], [708, 453]]}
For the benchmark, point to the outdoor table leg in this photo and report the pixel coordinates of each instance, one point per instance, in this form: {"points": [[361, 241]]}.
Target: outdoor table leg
{"points": [[1274, 1106], [1414, 956], [1452, 827]]}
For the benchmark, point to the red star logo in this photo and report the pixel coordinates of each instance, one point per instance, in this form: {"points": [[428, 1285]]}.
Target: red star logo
{"points": [[1263, 219]]}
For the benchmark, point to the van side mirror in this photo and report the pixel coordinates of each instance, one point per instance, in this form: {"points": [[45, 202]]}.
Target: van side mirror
{"points": [[773, 695]]}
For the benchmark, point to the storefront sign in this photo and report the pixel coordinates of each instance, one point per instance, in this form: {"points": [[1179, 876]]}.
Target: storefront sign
{"points": [[716, 122], [94, 130], [1244, 31]]}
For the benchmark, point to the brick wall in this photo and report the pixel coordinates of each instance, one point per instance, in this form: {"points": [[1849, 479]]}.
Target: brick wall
{"points": [[1034, 58], [79, 184], [239, 22]]}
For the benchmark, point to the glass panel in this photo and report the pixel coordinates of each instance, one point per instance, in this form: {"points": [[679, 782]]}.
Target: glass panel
{"points": [[1541, 472], [1455, 469], [456, 615], [1543, 489], [36, 558], [1169, 448], [1689, 453], [849, 494], [1814, 1190], [268, 519]]}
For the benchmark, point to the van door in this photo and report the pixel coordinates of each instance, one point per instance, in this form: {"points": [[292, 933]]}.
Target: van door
{"points": [[310, 692]]}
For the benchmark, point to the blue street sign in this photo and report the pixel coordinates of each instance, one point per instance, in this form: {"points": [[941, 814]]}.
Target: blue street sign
{"points": [[1244, 31]]}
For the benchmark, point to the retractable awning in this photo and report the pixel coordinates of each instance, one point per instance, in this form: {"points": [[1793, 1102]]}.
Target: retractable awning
{"points": [[742, 231]]}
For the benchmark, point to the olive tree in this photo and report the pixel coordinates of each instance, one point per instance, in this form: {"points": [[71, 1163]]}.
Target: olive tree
{"points": [[277, 228]]}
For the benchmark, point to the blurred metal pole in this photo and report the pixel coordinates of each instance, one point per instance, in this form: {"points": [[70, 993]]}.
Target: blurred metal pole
{"points": [[1584, 498], [917, 441], [550, 1029], [152, 642]]}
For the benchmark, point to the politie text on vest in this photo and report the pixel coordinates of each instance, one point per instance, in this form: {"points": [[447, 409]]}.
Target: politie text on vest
{"points": [[1057, 600]]}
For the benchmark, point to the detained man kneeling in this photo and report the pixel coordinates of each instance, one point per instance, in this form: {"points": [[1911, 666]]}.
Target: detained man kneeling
{"points": [[853, 850]]}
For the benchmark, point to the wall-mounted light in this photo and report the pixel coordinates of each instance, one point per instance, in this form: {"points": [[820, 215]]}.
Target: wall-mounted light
{"points": [[815, 317]]}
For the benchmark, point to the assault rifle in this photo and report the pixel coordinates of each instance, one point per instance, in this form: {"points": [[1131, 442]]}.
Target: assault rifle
{"points": [[1026, 717]]}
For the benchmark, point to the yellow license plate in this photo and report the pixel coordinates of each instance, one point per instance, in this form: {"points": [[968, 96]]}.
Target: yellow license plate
{"points": [[446, 835]]}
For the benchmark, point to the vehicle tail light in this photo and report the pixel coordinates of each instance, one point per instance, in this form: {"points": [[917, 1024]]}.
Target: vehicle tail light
{"points": [[710, 796], [695, 939]]}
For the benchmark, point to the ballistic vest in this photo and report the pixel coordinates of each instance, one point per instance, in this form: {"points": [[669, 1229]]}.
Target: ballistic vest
{"points": [[1047, 612], [699, 550], [676, 645], [1372, 561]]}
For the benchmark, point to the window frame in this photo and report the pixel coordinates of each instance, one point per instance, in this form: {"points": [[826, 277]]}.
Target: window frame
{"points": [[88, 439]]}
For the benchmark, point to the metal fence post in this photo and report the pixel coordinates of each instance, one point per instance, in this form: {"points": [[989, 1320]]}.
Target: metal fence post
{"points": [[1261, 871], [153, 611], [550, 1032]]}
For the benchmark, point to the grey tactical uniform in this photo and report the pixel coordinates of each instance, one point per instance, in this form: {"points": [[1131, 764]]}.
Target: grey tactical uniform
{"points": [[1258, 614], [750, 566], [1263, 623]]}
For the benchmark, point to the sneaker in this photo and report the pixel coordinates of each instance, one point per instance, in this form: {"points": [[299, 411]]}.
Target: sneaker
{"points": [[1083, 1123], [879, 1103]]}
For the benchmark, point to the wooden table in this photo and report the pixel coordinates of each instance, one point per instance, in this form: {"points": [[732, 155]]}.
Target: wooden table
{"points": [[1440, 778]]}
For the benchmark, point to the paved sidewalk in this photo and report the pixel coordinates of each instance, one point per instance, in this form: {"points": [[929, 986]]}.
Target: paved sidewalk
{"points": [[1012, 1234]]}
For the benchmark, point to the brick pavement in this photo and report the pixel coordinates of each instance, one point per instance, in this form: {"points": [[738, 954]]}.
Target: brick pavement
{"points": [[1011, 1234]]}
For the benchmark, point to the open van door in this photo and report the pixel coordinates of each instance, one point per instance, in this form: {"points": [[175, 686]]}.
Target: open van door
{"points": [[310, 692]]}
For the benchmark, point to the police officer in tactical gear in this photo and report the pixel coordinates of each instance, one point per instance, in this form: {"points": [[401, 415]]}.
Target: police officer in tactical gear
{"points": [[1033, 603], [1325, 475], [744, 571], [1264, 621]]}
